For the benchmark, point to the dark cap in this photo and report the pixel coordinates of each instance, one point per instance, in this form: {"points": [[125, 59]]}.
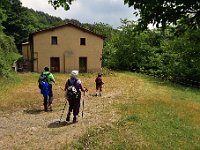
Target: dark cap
{"points": [[46, 68]]}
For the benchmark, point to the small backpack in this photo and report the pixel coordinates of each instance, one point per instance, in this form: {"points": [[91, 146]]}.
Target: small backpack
{"points": [[72, 92], [43, 79], [44, 88], [98, 81]]}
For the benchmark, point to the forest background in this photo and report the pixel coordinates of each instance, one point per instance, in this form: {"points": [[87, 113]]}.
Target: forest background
{"points": [[170, 51]]}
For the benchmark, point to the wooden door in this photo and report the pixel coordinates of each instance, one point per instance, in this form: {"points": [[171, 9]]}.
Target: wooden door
{"points": [[83, 64], [55, 64]]}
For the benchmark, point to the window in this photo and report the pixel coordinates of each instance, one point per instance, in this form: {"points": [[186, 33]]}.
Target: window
{"points": [[82, 41], [54, 40]]}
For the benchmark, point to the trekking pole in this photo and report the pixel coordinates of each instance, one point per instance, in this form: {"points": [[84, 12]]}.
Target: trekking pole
{"points": [[83, 100], [61, 88], [63, 110], [83, 104]]}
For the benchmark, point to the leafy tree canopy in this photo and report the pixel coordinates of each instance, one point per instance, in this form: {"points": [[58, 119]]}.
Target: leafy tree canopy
{"points": [[164, 12], [61, 3]]}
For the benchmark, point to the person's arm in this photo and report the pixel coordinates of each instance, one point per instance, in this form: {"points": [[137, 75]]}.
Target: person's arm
{"points": [[102, 82], [51, 77], [83, 89], [66, 85]]}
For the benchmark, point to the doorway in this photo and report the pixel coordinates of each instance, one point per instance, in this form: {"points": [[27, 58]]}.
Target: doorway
{"points": [[55, 64], [83, 64]]}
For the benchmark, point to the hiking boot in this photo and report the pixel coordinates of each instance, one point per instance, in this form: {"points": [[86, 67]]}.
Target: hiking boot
{"points": [[68, 118], [74, 120], [45, 108], [96, 95]]}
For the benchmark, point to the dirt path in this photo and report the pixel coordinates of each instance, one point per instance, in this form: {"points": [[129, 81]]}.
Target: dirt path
{"points": [[35, 129]]}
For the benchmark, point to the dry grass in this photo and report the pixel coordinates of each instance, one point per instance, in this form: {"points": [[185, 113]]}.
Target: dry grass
{"points": [[155, 115], [135, 112]]}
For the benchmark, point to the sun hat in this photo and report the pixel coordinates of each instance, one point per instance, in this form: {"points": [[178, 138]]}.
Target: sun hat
{"points": [[74, 73]]}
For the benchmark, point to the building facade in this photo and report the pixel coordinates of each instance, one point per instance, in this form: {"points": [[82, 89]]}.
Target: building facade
{"points": [[64, 48]]}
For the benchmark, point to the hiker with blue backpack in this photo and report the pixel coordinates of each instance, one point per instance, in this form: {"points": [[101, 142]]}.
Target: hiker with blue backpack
{"points": [[73, 88], [45, 84]]}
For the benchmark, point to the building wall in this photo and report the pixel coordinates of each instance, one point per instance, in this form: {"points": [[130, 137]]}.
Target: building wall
{"points": [[26, 51], [68, 49]]}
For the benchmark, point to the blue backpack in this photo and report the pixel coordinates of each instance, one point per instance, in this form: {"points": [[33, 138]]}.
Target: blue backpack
{"points": [[43, 84], [45, 88]]}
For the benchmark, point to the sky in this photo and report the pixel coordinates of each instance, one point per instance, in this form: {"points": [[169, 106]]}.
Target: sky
{"points": [[87, 11]]}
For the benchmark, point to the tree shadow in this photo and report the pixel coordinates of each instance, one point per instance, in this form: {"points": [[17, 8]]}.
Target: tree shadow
{"points": [[58, 124], [34, 111]]}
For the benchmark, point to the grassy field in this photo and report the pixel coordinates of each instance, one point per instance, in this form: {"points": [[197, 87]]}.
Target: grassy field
{"points": [[152, 114]]}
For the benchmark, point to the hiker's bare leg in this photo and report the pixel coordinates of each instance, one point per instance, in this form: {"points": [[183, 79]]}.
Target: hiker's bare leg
{"points": [[100, 90], [96, 93]]}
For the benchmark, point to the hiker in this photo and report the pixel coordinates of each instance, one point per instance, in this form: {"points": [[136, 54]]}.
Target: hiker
{"points": [[99, 84], [45, 84], [73, 88]]}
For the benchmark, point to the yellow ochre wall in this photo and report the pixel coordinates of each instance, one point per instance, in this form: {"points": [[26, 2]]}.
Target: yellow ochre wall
{"points": [[68, 49], [26, 51]]}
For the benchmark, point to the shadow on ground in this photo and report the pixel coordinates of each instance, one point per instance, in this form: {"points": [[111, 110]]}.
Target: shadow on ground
{"points": [[58, 124], [34, 111]]}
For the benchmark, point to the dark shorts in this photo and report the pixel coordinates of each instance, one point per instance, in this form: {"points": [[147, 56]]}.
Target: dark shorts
{"points": [[99, 87]]}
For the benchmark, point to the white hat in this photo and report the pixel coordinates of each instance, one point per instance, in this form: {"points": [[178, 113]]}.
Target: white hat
{"points": [[74, 73]]}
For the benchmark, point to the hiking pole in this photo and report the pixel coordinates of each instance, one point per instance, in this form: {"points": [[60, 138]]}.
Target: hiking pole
{"points": [[83, 104], [63, 110], [83, 100], [61, 88]]}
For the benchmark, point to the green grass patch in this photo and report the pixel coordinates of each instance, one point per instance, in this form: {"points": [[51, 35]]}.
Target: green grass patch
{"points": [[110, 138], [155, 115], [162, 126]]}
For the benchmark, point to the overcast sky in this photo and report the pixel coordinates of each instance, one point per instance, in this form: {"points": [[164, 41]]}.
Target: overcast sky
{"points": [[87, 11]]}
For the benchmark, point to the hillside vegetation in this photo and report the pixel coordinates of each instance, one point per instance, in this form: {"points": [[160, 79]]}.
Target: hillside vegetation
{"points": [[170, 53], [134, 112]]}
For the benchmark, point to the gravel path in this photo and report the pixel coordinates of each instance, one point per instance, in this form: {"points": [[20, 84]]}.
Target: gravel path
{"points": [[35, 129]]}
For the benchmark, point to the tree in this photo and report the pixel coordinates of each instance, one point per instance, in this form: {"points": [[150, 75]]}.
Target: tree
{"points": [[163, 12], [61, 3], [8, 51], [21, 21], [15, 23]]}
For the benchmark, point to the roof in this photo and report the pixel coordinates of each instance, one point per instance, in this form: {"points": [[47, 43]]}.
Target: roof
{"points": [[68, 24]]}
